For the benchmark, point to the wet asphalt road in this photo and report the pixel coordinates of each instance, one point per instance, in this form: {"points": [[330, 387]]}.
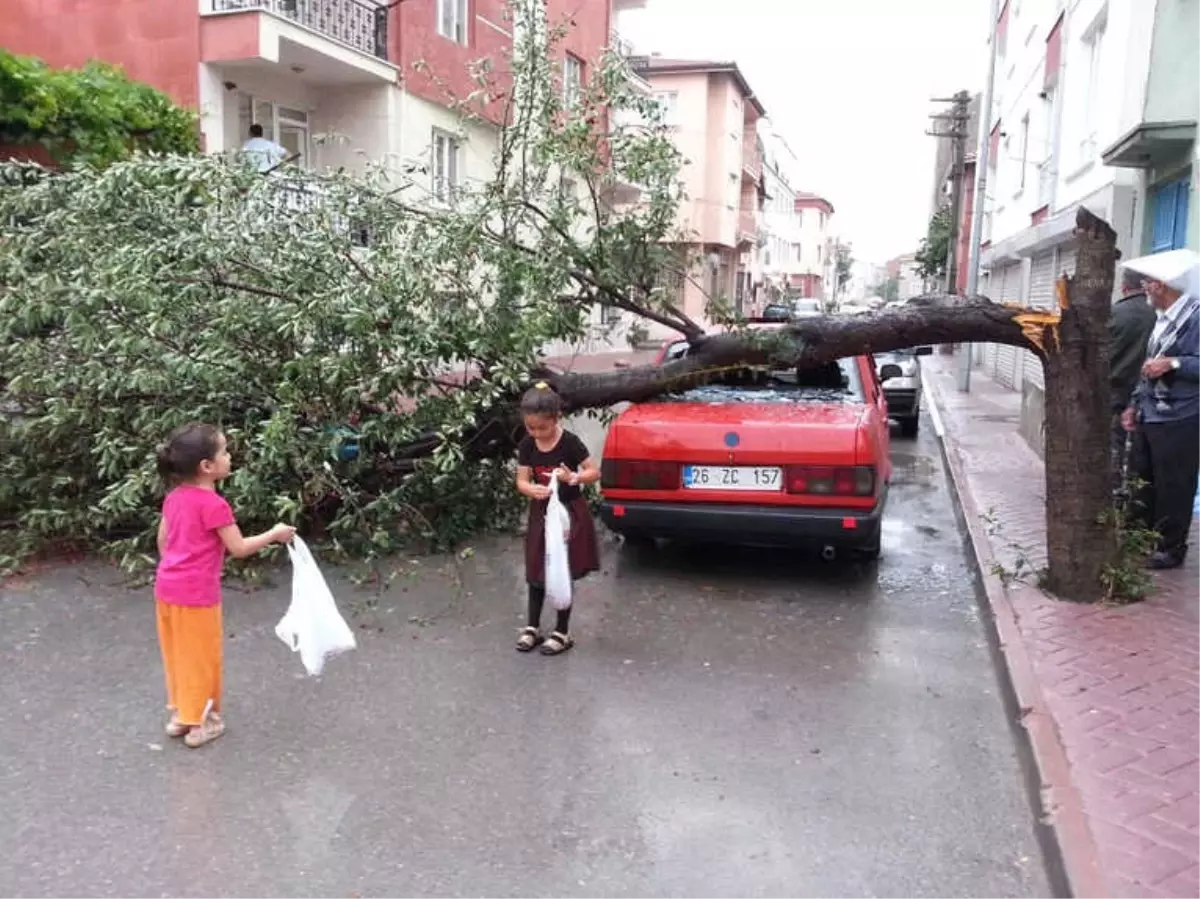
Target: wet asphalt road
{"points": [[731, 723]]}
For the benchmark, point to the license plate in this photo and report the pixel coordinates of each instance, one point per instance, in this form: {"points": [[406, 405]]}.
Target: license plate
{"points": [[732, 477]]}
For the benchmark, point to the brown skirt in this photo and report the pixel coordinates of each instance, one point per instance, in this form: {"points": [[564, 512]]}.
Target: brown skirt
{"points": [[583, 549]]}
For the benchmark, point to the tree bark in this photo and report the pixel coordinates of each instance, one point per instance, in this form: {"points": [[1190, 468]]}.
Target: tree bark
{"points": [[1072, 343], [808, 342], [1079, 529]]}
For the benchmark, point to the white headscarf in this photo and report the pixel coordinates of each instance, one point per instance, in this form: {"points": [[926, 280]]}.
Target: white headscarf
{"points": [[1179, 269]]}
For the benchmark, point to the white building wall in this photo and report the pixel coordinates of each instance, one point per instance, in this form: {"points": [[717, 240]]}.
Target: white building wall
{"points": [[1050, 143], [478, 144]]}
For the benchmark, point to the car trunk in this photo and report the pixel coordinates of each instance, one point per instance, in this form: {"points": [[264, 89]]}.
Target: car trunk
{"points": [[740, 433]]}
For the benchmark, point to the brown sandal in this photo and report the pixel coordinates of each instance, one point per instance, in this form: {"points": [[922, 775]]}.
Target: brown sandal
{"points": [[557, 643], [528, 639]]}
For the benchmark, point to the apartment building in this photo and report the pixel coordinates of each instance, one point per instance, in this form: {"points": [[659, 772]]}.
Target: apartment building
{"points": [[1095, 105], [714, 117], [813, 249], [1161, 148], [905, 271], [779, 217], [342, 83]]}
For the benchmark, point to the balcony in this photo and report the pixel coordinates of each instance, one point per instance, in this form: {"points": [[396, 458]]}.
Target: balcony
{"points": [[748, 226], [324, 41], [752, 159], [620, 45], [354, 23]]}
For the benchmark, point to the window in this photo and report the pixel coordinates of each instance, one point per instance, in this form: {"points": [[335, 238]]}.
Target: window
{"points": [[797, 248], [819, 254], [572, 80], [452, 19], [668, 102], [1093, 49], [1046, 168], [800, 218], [445, 166], [1024, 150]]}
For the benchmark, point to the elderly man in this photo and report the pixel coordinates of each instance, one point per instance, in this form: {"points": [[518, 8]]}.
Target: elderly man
{"points": [[1129, 331], [1165, 407]]}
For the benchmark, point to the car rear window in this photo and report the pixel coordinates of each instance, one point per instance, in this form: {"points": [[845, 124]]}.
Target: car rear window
{"points": [[835, 382]]}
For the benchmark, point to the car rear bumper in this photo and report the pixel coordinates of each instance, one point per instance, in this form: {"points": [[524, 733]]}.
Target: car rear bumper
{"points": [[904, 402], [757, 525]]}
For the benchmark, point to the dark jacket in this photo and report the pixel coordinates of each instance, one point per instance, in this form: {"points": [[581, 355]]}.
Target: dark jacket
{"points": [[1183, 386], [1129, 330]]}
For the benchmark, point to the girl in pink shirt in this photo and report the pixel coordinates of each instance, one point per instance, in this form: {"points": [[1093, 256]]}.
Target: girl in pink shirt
{"points": [[196, 530]]}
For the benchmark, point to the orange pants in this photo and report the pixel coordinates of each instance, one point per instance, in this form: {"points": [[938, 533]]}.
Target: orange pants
{"points": [[190, 637]]}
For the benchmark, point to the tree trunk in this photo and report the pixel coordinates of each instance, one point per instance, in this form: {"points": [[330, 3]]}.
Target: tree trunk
{"points": [[807, 342], [1073, 344], [1079, 530]]}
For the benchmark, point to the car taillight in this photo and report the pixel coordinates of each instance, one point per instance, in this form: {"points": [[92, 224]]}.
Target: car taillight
{"points": [[625, 474], [820, 480]]}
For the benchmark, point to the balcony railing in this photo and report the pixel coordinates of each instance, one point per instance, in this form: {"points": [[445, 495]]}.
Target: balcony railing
{"points": [[752, 159], [619, 44], [356, 23]]}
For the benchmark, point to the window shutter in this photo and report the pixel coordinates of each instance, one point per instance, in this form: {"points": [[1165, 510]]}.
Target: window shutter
{"points": [[1053, 55]]}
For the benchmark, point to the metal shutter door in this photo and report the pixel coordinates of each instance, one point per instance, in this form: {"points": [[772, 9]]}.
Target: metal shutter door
{"points": [[1006, 356], [1041, 296], [1066, 261], [983, 354], [996, 294]]}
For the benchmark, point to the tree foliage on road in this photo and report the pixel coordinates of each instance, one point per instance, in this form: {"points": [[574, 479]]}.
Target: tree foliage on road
{"points": [[935, 245], [369, 393], [159, 290], [93, 115]]}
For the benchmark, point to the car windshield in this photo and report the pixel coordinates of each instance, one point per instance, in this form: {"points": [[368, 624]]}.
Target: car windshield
{"points": [[808, 306], [833, 382]]}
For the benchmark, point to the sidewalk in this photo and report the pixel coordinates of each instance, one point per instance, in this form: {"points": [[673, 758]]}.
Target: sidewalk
{"points": [[1109, 696]]}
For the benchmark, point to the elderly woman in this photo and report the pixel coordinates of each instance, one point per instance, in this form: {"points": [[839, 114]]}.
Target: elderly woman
{"points": [[1165, 407]]}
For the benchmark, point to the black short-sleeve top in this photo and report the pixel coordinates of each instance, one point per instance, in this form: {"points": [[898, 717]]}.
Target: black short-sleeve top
{"points": [[569, 451]]}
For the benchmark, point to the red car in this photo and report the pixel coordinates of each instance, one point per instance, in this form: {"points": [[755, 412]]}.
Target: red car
{"points": [[777, 458]]}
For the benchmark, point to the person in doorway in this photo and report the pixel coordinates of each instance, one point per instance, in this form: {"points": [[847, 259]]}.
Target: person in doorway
{"points": [[263, 152], [1165, 407], [1129, 329]]}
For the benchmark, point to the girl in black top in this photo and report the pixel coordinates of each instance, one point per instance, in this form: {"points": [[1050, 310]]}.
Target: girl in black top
{"points": [[548, 447]]}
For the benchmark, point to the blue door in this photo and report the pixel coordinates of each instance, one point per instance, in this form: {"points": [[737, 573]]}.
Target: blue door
{"points": [[1169, 215]]}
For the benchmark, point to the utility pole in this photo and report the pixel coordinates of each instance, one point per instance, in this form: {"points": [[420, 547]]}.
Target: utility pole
{"points": [[953, 126]]}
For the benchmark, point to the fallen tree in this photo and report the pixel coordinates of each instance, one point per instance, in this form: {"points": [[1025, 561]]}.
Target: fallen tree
{"points": [[363, 344]]}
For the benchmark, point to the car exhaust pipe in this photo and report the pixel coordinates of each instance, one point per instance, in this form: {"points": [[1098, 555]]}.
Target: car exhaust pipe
{"points": [[828, 553]]}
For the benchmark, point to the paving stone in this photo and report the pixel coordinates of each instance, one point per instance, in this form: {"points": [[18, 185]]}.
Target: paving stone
{"points": [[1121, 683]]}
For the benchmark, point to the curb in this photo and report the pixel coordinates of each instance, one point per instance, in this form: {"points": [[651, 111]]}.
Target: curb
{"points": [[1057, 803]]}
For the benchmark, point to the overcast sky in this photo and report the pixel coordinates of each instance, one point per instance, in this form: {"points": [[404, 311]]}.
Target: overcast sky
{"points": [[848, 84]]}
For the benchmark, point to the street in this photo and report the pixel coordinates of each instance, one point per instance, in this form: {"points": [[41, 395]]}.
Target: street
{"points": [[731, 723]]}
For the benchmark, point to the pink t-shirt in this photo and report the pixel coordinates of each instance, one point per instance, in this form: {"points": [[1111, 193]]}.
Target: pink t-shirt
{"points": [[189, 573]]}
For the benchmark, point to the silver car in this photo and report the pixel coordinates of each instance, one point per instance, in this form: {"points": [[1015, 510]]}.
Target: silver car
{"points": [[900, 374]]}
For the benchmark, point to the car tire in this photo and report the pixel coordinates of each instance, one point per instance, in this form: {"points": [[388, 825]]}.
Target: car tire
{"points": [[910, 426]]}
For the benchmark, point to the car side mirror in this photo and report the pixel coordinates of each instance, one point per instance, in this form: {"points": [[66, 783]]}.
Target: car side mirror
{"points": [[889, 371], [924, 351]]}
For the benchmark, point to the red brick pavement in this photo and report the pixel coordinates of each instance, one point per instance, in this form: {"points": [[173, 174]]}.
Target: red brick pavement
{"points": [[1110, 696]]}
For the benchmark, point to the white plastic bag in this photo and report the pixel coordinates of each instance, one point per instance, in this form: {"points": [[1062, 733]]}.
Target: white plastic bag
{"points": [[558, 566], [312, 626]]}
